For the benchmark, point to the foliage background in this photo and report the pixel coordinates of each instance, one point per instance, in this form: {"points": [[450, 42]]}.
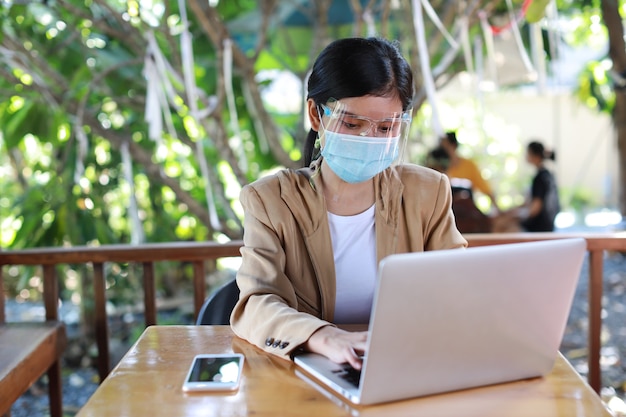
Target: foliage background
{"points": [[139, 121]]}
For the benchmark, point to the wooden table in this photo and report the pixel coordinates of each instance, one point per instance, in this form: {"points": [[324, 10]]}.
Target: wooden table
{"points": [[147, 382]]}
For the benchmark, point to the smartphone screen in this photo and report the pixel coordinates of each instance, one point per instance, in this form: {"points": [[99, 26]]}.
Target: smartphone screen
{"points": [[214, 372]]}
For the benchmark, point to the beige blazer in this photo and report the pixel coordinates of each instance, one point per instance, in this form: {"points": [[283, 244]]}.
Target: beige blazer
{"points": [[287, 275]]}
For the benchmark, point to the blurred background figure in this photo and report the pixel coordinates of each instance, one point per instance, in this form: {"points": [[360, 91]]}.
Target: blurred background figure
{"points": [[463, 172], [537, 214], [438, 159], [468, 217]]}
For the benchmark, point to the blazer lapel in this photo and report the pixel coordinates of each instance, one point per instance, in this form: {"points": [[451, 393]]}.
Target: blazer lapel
{"points": [[309, 209], [388, 202]]}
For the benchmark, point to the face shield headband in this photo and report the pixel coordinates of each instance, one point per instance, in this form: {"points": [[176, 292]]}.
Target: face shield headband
{"points": [[358, 147]]}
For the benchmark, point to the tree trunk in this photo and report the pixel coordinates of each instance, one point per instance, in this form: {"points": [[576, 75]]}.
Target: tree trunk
{"points": [[617, 53]]}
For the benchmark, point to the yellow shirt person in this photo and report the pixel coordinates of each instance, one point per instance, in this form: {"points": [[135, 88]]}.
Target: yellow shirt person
{"points": [[465, 169]]}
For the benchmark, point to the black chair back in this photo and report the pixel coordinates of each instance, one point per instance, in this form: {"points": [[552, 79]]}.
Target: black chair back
{"points": [[217, 308]]}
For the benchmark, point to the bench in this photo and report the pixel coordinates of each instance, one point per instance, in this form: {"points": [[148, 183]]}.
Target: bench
{"points": [[28, 350]]}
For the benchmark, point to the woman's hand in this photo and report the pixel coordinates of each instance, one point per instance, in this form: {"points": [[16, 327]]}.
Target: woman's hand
{"points": [[338, 345]]}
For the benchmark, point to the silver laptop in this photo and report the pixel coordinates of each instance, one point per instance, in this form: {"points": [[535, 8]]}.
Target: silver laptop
{"points": [[455, 319]]}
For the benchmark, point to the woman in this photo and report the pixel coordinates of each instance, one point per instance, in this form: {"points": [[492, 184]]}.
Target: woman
{"points": [[313, 237], [543, 205], [460, 168], [537, 214]]}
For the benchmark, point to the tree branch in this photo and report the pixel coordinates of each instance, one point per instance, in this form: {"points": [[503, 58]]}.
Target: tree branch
{"points": [[156, 173], [217, 32]]}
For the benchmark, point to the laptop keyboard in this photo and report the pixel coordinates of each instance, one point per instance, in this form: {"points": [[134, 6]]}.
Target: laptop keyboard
{"points": [[351, 375]]}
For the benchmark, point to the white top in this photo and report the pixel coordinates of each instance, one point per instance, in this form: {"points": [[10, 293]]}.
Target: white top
{"points": [[354, 249]]}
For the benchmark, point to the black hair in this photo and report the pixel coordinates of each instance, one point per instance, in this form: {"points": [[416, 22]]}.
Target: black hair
{"points": [[451, 138], [438, 159], [536, 148], [355, 67]]}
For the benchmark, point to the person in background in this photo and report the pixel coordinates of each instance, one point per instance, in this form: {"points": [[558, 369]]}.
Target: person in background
{"points": [[538, 212], [460, 169], [313, 237], [468, 217], [437, 159]]}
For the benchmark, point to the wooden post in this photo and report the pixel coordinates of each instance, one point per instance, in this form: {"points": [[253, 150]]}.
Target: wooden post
{"points": [[149, 296], [101, 321], [595, 318], [199, 290]]}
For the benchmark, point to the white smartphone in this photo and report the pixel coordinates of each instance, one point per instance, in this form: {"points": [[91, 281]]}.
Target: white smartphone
{"points": [[214, 372]]}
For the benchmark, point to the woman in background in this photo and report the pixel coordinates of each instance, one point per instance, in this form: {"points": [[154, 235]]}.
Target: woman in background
{"points": [[460, 170], [542, 205]]}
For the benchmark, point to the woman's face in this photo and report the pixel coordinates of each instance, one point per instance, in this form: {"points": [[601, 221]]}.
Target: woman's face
{"points": [[359, 136], [532, 159], [447, 146]]}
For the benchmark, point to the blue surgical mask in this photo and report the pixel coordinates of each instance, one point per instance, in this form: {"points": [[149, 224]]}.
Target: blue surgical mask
{"points": [[358, 158]]}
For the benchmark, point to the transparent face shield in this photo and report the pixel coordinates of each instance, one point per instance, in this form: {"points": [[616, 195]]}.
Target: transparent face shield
{"points": [[357, 147]]}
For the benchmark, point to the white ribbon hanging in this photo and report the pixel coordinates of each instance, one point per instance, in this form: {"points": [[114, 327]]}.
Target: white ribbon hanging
{"points": [[192, 98], [429, 83], [83, 146], [160, 94], [137, 235], [478, 82], [479, 59], [518, 38], [446, 60], [82, 143], [536, 46], [467, 49], [492, 69], [552, 19], [230, 98], [152, 112], [368, 18], [156, 103], [432, 14]]}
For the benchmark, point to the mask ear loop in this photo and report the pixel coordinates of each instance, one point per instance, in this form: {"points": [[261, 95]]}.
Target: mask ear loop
{"points": [[317, 145], [327, 112]]}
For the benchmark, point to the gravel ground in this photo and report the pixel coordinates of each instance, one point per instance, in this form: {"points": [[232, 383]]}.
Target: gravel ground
{"points": [[79, 382], [613, 351]]}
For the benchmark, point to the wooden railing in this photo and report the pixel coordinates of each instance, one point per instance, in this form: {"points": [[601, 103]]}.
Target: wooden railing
{"points": [[199, 252], [146, 255]]}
